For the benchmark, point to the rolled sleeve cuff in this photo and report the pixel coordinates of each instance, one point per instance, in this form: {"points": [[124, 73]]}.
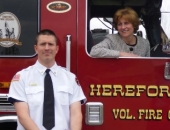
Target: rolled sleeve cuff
{"points": [[13, 100]]}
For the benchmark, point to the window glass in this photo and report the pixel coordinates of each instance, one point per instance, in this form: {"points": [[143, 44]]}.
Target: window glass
{"points": [[165, 22], [154, 23], [19, 24]]}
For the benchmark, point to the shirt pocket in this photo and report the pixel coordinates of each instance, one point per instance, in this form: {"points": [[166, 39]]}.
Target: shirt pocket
{"points": [[63, 94], [35, 95]]}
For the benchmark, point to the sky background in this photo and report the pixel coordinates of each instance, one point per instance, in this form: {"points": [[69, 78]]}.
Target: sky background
{"points": [[165, 18]]}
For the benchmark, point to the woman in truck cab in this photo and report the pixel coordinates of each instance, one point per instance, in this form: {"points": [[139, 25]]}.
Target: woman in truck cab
{"points": [[125, 43]]}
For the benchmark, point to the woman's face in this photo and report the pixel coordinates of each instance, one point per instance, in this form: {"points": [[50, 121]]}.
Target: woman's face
{"points": [[125, 28]]}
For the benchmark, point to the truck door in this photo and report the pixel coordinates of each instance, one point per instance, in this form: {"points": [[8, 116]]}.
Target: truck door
{"points": [[19, 23], [60, 16], [133, 91]]}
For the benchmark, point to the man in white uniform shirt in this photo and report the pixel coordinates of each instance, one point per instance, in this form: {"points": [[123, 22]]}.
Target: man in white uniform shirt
{"points": [[27, 90]]}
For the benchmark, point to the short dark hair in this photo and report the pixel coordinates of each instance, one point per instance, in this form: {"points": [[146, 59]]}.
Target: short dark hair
{"points": [[45, 32], [127, 14]]}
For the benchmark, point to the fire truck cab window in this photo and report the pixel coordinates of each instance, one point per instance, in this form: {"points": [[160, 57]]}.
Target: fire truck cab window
{"points": [[19, 24], [154, 17]]}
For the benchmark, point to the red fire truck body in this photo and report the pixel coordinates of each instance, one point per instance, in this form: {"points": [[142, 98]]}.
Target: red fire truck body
{"points": [[122, 93]]}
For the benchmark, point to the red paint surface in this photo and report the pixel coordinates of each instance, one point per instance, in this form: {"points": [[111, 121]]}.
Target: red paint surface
{"points": [[107, 71]]}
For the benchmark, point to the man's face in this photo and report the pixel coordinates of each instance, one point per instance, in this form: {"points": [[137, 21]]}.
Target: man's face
{"points": [[46, 49]]}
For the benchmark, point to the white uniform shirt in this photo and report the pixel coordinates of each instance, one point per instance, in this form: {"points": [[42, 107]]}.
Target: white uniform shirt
{"points": [[28, 86]]}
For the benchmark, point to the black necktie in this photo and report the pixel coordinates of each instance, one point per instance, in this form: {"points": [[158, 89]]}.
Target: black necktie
{"points": [[48, 107]]}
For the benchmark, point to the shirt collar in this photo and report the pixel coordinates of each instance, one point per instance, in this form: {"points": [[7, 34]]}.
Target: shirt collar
{"points": [[42, 68]]}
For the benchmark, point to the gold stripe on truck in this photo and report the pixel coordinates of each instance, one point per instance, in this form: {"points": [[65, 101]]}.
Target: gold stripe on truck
{"points": [[4, 84]]}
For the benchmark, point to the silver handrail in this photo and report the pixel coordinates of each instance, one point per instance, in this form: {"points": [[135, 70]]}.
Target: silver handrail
{"points": [[68, 51]]}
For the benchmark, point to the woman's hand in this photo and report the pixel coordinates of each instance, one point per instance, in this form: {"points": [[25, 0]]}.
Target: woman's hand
{"points": [[125, 54]]}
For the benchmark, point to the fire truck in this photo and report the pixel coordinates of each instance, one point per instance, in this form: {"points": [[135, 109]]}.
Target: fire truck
{"points": [[122, 93]]}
